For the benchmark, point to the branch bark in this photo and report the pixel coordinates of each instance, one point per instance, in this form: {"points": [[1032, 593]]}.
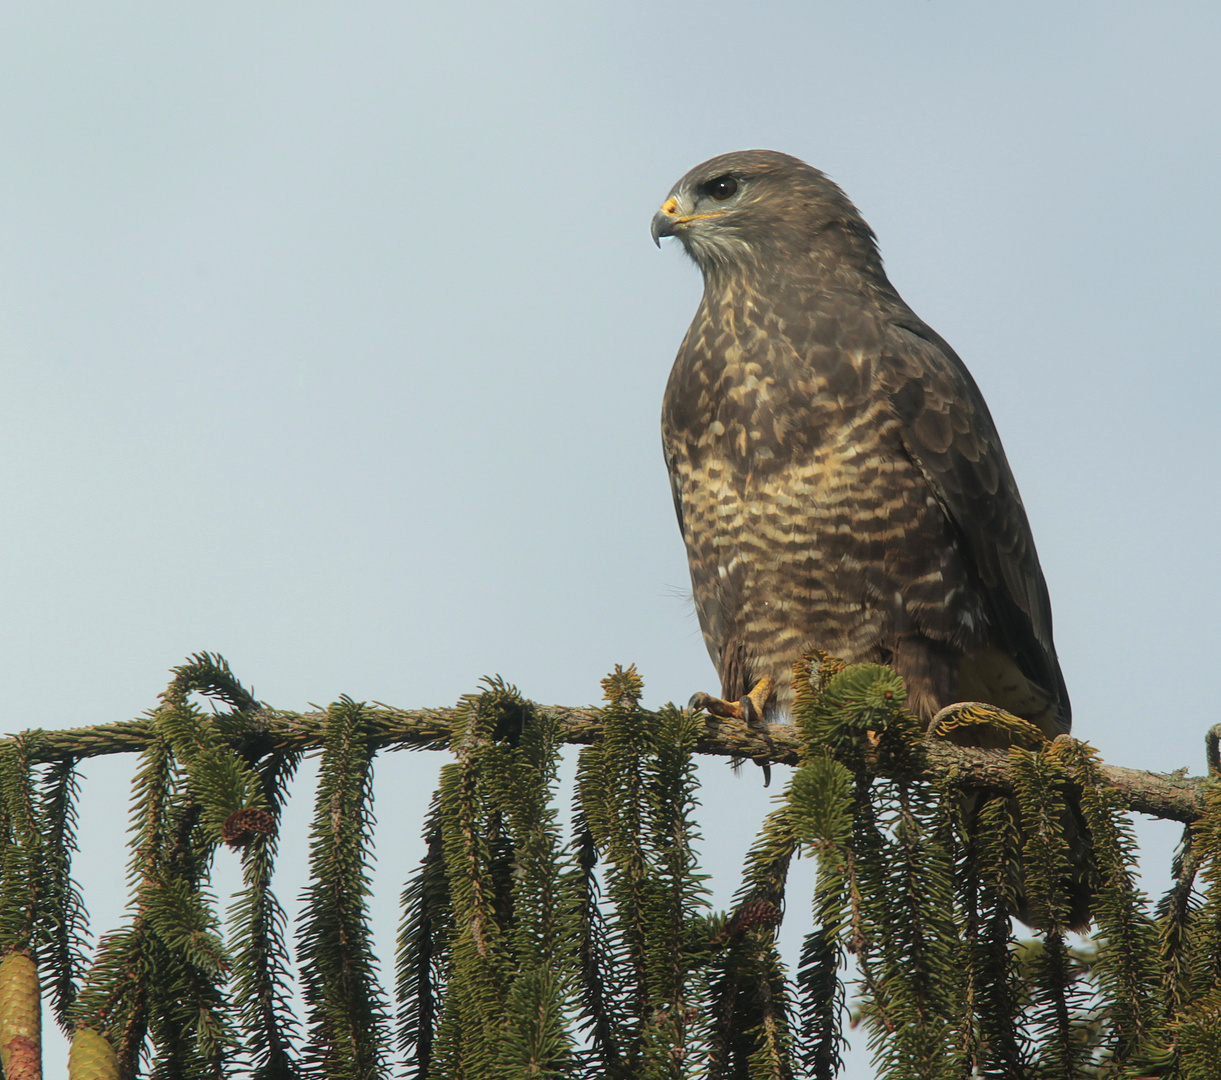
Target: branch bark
{"points": [[1160, 795]]}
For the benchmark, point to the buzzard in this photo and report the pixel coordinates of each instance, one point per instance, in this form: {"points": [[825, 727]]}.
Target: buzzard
{"points": [[839, 481]]}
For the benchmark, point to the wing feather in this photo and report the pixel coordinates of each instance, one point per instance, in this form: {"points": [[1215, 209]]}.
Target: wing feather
{"points": [[949, 434]]}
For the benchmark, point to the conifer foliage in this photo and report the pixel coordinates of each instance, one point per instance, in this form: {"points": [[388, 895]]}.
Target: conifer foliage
{"points": [[532, 948]]}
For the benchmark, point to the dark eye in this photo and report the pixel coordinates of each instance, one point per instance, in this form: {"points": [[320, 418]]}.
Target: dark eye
{"points": [[722, 188]]}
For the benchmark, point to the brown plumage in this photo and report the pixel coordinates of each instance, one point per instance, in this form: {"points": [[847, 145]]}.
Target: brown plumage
{"points": [[839, 481]]}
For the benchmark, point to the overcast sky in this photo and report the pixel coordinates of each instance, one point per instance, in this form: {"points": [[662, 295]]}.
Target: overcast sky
{"points": [[332, 339]]}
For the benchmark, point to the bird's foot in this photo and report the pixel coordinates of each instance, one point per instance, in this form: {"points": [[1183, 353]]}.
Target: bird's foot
{"points": [[748, 709], [714, 706], [976, 723]]}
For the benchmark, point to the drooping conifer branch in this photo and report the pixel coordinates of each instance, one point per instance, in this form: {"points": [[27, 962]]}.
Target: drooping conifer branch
{"points": [[346, 1013], [261, 965], [513, 940]]}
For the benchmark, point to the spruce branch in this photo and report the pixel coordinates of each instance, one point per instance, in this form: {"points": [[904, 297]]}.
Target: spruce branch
{"points": [[751, 1028], [161, 976], [917, 840], [1172, 796], [21, 844], [636, 790], [423, 953], [348, 1025], [602, 994], [502, 889], [65, 927], [261, 966]]}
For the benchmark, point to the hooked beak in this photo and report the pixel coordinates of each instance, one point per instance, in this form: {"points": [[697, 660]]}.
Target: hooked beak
{"points": [[668, 219], [665, 220]]}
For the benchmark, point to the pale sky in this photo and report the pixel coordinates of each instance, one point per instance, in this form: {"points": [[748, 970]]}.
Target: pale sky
{"points": [[332, 339]]}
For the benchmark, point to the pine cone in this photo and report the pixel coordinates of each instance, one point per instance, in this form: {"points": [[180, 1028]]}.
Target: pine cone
{"points": [[752, 915], [242, 826], [92, 1057], [20, 1018]]}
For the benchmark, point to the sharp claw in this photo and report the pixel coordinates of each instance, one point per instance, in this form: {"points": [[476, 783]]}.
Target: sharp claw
{"points": [[750, 714], [714, 706]]}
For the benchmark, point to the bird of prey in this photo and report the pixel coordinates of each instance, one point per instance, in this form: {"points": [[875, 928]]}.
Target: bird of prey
{"points": [[839, 481]]}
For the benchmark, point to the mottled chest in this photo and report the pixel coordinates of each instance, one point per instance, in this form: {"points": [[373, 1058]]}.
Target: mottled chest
{"points": [[757, 391]]}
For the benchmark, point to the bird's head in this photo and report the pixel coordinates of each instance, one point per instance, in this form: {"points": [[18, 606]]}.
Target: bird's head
{"points": [[756, 208]]}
